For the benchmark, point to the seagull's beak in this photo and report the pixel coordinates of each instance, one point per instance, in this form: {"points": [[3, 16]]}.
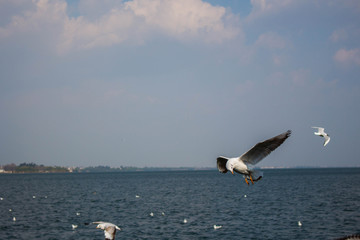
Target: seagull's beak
{"points": [[232, 171]]}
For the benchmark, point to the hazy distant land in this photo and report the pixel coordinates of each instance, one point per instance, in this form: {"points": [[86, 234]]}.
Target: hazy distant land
{"points": [[34, 168]]}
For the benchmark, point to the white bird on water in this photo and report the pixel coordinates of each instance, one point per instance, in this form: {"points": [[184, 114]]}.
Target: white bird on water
{"points": [[244, 164], [217, 227], [320, 132], [109, 229]]}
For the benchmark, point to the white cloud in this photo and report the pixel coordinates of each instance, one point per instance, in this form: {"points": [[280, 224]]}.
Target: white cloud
{"points": [[113, 28], [185, 19], [264, 7], [43, 18], [348, 57], [133, 22]]}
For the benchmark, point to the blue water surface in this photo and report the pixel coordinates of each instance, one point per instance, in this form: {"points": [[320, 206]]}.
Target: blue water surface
{"points": [[325, 201]]}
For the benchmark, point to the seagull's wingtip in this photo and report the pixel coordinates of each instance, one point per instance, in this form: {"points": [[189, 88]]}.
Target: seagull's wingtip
{"points": [[288, 133]]}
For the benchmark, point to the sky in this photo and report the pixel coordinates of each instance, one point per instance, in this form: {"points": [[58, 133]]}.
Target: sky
{"points": [[168, 83]]}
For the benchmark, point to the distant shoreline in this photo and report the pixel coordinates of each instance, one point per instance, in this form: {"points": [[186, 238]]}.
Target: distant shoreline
{"points": [[105, 169]]}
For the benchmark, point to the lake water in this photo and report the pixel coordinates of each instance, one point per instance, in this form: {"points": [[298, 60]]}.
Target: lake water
{"points": [[325, 201]]}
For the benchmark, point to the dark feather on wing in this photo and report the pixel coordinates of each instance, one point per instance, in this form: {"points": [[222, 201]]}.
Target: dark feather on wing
{"points": [[221, 164], [262, 149]]}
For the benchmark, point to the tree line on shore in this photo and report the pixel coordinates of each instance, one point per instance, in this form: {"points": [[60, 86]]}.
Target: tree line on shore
{"points": [[34, 168]]}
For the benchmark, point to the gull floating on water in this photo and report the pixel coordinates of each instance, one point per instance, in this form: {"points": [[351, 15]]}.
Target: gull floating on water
{"points": [[185, 220], [109, 229], [217, 227], [299, 223], [323, 134], [245, 162], [74, 226]]}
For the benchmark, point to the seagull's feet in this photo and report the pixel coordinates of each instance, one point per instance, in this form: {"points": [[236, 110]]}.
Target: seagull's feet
{"points": [[246, 181], [251, 180]]}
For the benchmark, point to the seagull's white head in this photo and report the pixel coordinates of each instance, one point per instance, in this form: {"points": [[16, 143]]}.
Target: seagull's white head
{"points": [[230, 166]]}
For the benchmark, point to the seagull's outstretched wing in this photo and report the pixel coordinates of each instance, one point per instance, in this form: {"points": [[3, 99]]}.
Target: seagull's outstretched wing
{"points": [[109, 229], [110, 232], [221, 164], [320, 130], [327, 140], [103, 225], [262, 149]]}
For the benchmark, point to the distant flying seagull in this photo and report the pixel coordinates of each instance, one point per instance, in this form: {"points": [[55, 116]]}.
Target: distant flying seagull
{"points": [[109, 229], [323, 134], [245, 162]]}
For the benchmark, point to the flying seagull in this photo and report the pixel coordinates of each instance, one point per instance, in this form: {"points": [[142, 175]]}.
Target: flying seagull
{"points": [[323, 134], [245, 162], [109, 229]]}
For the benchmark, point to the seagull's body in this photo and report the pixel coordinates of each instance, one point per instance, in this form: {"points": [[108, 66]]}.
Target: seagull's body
{"points": [[109, 229], [320, 132], [245, 162], [217, 227]]}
